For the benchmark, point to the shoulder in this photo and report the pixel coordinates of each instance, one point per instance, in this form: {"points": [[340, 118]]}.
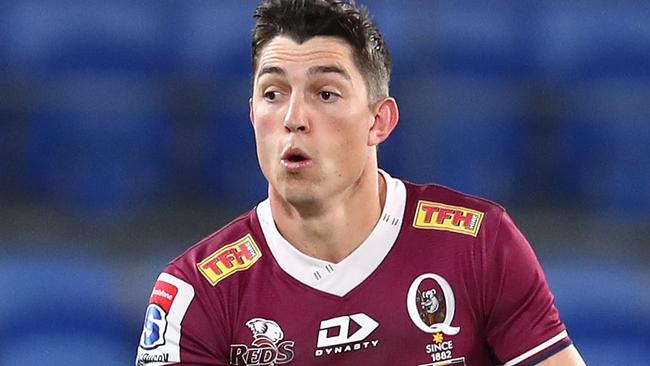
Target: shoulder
{"points": [[433, 206], [187, 304], [451, 196], [230, 249]]}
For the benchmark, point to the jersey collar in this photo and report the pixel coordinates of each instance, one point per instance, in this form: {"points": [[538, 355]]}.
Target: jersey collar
{"points": [[339, 278]]}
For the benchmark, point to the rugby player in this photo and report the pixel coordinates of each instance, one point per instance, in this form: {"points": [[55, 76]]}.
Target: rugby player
{"points": [[343, 264]]}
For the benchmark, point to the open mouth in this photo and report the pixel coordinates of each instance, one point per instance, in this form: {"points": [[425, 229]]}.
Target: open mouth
{"points": [[295, 159]]}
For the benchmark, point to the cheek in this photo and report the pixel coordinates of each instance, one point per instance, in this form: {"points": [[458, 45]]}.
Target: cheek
{"points": [[349, 139], [356, 132], [261, 132], [263, 139], [264, 125]]}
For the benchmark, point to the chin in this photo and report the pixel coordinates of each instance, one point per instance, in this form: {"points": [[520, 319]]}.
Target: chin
{"points": [[300, 196], [298, 193]]}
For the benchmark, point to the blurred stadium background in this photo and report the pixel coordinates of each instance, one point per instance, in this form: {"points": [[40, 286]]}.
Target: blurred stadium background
{"points": [[124, 138]]}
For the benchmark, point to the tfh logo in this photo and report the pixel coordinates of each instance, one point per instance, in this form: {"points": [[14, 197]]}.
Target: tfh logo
{"points": [[234, 257], [438, 216]]}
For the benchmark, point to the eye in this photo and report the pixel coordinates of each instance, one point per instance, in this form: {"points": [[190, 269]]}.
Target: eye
{"points": [[328, 96], [271, 95]]}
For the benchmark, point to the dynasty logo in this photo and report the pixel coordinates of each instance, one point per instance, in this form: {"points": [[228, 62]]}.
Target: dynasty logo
{"points": [[268, 347], [335, 334]]}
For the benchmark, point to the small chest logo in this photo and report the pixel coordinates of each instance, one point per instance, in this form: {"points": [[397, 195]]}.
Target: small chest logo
{"points": [[268, 347], [155, 322], [431, 306], [437, 216], [232, 258], [334, 335]]}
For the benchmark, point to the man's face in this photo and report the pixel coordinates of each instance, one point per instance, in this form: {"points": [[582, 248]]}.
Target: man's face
{"points": [[311, 116]]}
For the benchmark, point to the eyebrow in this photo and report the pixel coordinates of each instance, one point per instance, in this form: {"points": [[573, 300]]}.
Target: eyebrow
{"points": [[271, 70], [328, 69], [314, 70]]}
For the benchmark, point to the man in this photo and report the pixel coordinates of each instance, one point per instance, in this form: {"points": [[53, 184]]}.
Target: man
{"points": [[343, 264]]}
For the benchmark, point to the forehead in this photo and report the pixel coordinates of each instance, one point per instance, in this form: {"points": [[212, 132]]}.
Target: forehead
{"points": [[289, 55]]}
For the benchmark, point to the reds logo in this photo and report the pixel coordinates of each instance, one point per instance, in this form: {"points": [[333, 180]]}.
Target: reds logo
{"points": [[268, 346]]}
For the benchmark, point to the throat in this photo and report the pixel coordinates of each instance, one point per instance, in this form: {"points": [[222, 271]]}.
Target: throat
{"points": [[332, 235], [331, 230]]}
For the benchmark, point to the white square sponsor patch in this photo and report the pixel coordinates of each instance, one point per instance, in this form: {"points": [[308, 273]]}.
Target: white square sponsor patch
{"points": [[161, 333]]}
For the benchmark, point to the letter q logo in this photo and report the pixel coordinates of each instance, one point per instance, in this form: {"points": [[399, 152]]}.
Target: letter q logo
{"points": [[415, 298]]}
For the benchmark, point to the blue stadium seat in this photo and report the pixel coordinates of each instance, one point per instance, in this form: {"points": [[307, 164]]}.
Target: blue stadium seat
{"points": [[456, 75], [46, 37], [452, 38], [60, 308], [231, 168], [69, 348], [588, 41], [484, 39], [101, 145], [598, 57], [99, 133], [470, 136], [11, 150], [606, 144], [213, 40], [605, 307]]}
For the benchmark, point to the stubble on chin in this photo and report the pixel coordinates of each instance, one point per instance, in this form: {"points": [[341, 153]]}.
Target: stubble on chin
{"points": [[297, 190]]}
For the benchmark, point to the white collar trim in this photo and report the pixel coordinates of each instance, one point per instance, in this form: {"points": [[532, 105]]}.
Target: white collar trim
{"points": [[339, 278]]}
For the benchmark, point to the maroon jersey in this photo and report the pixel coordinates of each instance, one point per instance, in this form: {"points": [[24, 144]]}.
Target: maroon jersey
{"points": [[443, 279]]}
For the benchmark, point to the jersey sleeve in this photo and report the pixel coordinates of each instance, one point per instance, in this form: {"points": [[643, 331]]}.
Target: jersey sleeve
{"points": [[523, 325], [178, 328]]}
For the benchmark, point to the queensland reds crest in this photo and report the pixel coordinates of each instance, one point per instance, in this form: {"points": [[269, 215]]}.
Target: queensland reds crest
{"points": [[431, 305], [267, 349]]}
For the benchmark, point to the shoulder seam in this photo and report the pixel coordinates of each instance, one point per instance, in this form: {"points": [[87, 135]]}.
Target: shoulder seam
{"points": [[455, 191], [199, 299], [241, 217], [484, 272]]}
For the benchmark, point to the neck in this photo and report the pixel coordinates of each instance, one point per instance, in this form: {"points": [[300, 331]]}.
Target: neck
{"points": [[333, 229]]}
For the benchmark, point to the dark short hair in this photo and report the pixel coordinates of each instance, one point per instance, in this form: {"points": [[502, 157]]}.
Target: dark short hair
{"points": [[303, 19]]}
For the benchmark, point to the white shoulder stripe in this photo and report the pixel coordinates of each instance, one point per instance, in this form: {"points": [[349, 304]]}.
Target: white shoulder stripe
{"points": [[165, 324], [537, 349]]}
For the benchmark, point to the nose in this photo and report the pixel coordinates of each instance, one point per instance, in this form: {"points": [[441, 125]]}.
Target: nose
{"points": [[296, 118]]}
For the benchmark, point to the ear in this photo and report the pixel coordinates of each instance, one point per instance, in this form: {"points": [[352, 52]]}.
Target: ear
{"points": [[251, 116], [385, 120]]}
